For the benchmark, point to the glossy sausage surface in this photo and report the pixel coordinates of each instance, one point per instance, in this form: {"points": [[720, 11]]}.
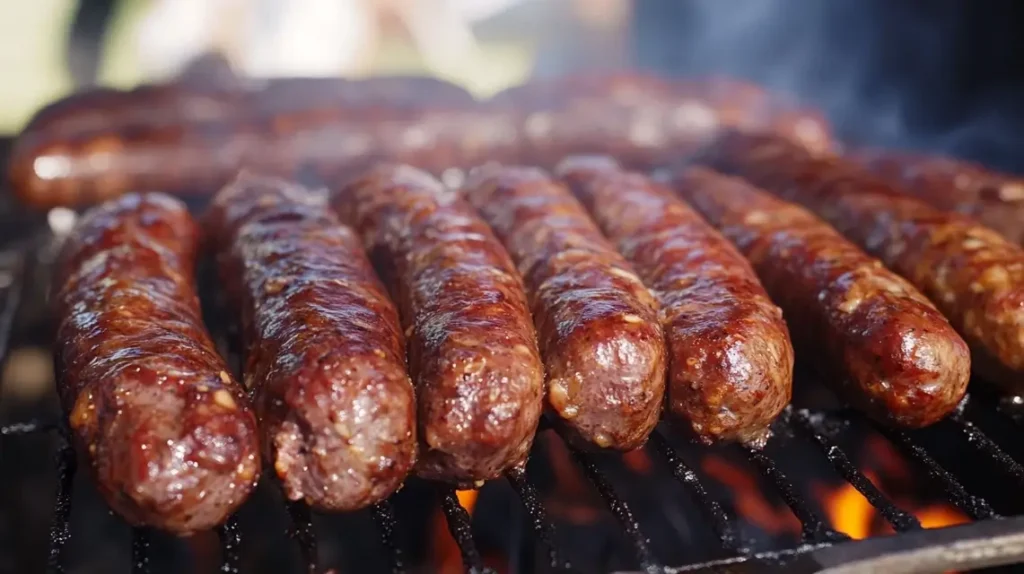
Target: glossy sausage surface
{"points": [[471, 344], [325, 356], [168, 432]]}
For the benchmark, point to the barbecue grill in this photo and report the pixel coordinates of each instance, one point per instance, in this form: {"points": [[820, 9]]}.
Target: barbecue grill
{"points": [[669, 518]]}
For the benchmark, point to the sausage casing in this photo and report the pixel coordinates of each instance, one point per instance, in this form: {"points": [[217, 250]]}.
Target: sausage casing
{"points": [[471, 345], [971, 273], [867, 330], [597, 324], [730, 359], [167, 431], [325, 356], [994, 199]]}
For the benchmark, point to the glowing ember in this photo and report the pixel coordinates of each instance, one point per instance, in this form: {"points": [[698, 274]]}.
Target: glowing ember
{"points": [[467, 498], [638, 461], [748, 500]]}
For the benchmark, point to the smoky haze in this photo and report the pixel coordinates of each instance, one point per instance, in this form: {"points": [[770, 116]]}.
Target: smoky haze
{"points": [[942, 75]]}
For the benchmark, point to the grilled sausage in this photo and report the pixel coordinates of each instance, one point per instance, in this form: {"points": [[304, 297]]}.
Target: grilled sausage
{"points": [[189, 137], [167, 431], [884, 346], [597, 324], [472, 348], [730, 358], [994, 199], [971, 273], [325, 356]]}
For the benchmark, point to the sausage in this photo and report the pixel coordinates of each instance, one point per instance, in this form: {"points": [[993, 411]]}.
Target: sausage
{"points": [[190, 137], [868, 331], [730, 358], [168, 433], [971, 273], [995, 199], [471, 345], [598, 327], [325, 355]]}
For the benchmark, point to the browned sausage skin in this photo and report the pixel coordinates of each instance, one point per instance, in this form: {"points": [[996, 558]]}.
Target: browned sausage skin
{"points": [[167, 431], [598, 325], [871, 333], [472, 348], [994, 199], [325, 357], [971, 273], [192, 136], [730, 359]]}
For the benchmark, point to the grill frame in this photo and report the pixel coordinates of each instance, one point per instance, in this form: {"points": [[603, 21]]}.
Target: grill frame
{"points": [[989, 541]]}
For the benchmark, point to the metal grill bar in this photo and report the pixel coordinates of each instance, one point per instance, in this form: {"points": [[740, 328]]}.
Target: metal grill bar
{"points": [[814, 528], [542, 526], [461, 529], [899, 519], [975, 507], [60, 526], [140, 551], [230, 535], [12, 300], [620, 510], [711, 508], [988, 447], [28, 427], [302, 531], [384, 517]]}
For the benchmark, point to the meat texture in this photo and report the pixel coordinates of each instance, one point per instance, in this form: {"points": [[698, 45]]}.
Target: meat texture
{"points": [[971, 273], [471, 345], [324, 351], [867, 330], [730, 358], [167, 432], [994, 199], [597, 324]]}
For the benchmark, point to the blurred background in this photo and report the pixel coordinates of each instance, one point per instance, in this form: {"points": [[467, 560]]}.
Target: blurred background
{"points": [[939, 74]]}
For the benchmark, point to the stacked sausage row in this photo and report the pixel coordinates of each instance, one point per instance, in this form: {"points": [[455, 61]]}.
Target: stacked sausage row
{"points": [[193, 137]]}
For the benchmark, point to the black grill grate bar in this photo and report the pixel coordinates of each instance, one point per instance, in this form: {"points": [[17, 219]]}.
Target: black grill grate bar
{"points": [[60, 527], [975, 507], [140, 551], [815, 529], [710, 507], [230, 535], [542, 526], [461, 528], [27, 427], [988, 447], [384, 517], [620, 509], [900, 520], [301, 529]]}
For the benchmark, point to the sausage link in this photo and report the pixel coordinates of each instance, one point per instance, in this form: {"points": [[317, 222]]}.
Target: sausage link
{"points": [[325, 356], [730, 358], [471, 345], [168, 433], [994, 199], [884, 346], [971, 273], [598, 325]]}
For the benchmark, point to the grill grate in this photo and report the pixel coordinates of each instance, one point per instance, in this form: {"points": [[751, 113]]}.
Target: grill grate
{"points": [[821, 541]]}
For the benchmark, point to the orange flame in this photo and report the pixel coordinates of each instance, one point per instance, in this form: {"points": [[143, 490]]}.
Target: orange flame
{"points": [[467, 499], [638, 461], [446, 556]]}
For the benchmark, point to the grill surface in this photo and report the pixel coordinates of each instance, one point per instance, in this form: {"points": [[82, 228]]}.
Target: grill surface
{"points": [[651, 537]]}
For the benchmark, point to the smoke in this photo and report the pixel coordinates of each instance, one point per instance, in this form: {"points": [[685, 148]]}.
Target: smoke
{"points": [[886, 73]]}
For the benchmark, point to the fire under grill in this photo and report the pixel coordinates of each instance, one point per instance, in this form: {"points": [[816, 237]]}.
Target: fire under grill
{"points": [[663, 509]]}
